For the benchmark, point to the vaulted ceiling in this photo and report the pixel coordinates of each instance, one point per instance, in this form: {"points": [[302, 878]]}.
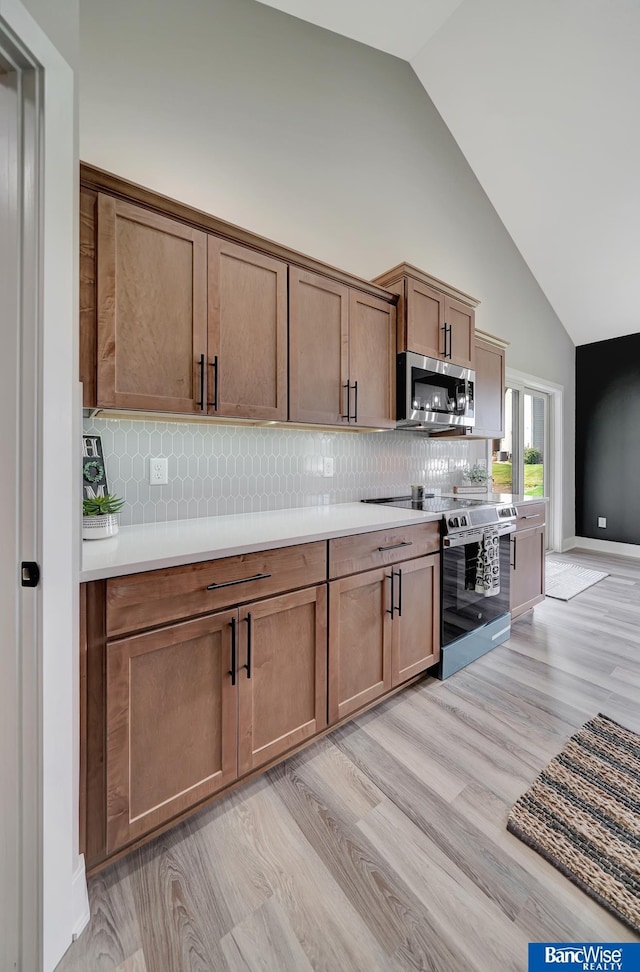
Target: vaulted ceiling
{"points": [[543, 98]]}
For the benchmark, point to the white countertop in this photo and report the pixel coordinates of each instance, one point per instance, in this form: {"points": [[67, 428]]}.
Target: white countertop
{"points": [[150, 546]]}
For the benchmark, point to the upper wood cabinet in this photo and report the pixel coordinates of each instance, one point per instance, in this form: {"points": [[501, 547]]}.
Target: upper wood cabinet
{"points": [[489, 391], [247, 330], [186, 322], [342, 353], [434, 319], [151, 309], [182, 312]]}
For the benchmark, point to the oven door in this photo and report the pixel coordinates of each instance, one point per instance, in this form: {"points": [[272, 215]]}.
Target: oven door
{"points": [[464, 610]]}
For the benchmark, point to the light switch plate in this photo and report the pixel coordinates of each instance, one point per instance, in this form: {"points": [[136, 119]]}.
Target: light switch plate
{"points": [[602, 521], [158, 472], [327, 469]]}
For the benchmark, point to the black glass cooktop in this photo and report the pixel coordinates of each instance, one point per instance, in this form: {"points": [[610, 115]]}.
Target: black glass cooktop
{"points": [[430, 504]]}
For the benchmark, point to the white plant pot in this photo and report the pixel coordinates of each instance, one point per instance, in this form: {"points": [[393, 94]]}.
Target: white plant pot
{"points": [[99, 527]]}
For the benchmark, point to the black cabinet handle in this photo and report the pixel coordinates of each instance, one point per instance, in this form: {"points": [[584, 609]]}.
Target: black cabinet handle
{"points": [[394, 546], [515, 549], [201, 402], [530, 516], [234, 667], [399, 605], [242, 580], [390, 610], [355, 401], [447, 332], [248, 665], [347, 387], [214, 365]]}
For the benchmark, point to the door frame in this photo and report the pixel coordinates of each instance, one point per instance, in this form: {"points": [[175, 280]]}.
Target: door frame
{"points": [[51, 886], [522, 381]]}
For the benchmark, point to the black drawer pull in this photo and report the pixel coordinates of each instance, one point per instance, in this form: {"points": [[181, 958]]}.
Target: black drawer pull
{"points": [[242, 580], [394, 546], [530, 516], [201, 402], [248, 665], [399, 604], [390, 610], [234, 667], [348, 390]]}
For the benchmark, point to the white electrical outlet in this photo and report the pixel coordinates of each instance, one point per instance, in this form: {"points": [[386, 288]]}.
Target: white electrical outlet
{"points": [[158, 472], [327, 469], [602, 521]]}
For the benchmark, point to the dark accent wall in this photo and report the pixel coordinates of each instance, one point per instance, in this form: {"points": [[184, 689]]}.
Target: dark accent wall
{"points": [[608, 439]]}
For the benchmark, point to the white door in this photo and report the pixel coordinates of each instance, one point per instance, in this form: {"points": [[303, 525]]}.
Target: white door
{"points": [[19, 530]]}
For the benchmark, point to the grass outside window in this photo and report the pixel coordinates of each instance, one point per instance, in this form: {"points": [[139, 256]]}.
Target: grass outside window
{"points": [[502, 473]]}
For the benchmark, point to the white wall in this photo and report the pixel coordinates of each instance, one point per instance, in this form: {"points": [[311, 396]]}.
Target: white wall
{"points": [[311, 139]]}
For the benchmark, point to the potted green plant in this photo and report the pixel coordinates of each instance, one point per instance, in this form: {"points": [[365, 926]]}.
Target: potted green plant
{"points": [[100, 516]]}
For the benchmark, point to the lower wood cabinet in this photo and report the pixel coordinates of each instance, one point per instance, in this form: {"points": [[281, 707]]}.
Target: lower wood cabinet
{"points": [[527, 569], [171, 724], [384, 627], [191, 707], [415, 644], [176, 709], [282, 677]]}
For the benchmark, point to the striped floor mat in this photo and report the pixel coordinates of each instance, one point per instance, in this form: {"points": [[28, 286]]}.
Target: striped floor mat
{"points": [[583, 815], [563, 581]]}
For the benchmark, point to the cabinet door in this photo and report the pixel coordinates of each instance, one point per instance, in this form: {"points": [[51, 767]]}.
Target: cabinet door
{"points": [[319, 358], [151, 309], [461, 319], [416, 624], [171, 723], [425, 319], [527, 570], [247, 332], [283, 681], [489, 390], [359, 641], [372, 360]]}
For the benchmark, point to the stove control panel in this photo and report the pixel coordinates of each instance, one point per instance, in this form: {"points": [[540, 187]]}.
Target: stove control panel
{"points": [[458, 522], [507, 512]]}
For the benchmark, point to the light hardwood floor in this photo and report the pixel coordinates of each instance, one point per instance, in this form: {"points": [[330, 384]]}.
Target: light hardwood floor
{"points": [[383, 846]]}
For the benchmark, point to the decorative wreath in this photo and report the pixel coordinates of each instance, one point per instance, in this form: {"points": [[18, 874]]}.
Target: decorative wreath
{"points": [[93, 471]]}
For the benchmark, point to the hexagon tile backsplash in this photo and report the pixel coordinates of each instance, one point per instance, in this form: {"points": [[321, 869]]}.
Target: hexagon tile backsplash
{"points": [[244, 469]]}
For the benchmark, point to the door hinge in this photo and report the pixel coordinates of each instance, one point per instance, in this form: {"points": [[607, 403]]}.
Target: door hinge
{"points": [[30, 573]]}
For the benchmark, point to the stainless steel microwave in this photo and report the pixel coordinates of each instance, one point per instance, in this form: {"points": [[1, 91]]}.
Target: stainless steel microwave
{"points": [[433, 394]]}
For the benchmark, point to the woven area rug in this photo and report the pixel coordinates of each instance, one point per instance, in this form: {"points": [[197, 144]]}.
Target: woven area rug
{"points": [[583, 815], [563, 581]]}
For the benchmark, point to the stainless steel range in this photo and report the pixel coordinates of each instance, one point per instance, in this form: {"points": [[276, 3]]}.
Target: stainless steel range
{"points": [[475, 574]]}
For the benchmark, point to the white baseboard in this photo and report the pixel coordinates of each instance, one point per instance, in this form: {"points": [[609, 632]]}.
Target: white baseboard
{"points": [[79, 899], [609, 547], [568, 544]]}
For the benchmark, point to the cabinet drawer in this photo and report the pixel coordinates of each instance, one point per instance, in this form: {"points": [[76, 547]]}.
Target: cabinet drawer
{"points": [[530, 515], [364, 551], [161, 596]]}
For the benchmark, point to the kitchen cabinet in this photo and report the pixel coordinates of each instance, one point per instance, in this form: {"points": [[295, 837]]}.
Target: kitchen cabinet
{"points": [[186, 322], [151, 296], [434, 319], [342, 354], [246, 360], [191, 706], [181, 312], [171, 714], [193, 677], [415, 644], [384, 615], [489, 389], [528, 547]]}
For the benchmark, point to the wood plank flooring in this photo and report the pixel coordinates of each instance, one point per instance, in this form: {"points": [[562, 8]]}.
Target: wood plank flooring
{"points": [[383, 846]]}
